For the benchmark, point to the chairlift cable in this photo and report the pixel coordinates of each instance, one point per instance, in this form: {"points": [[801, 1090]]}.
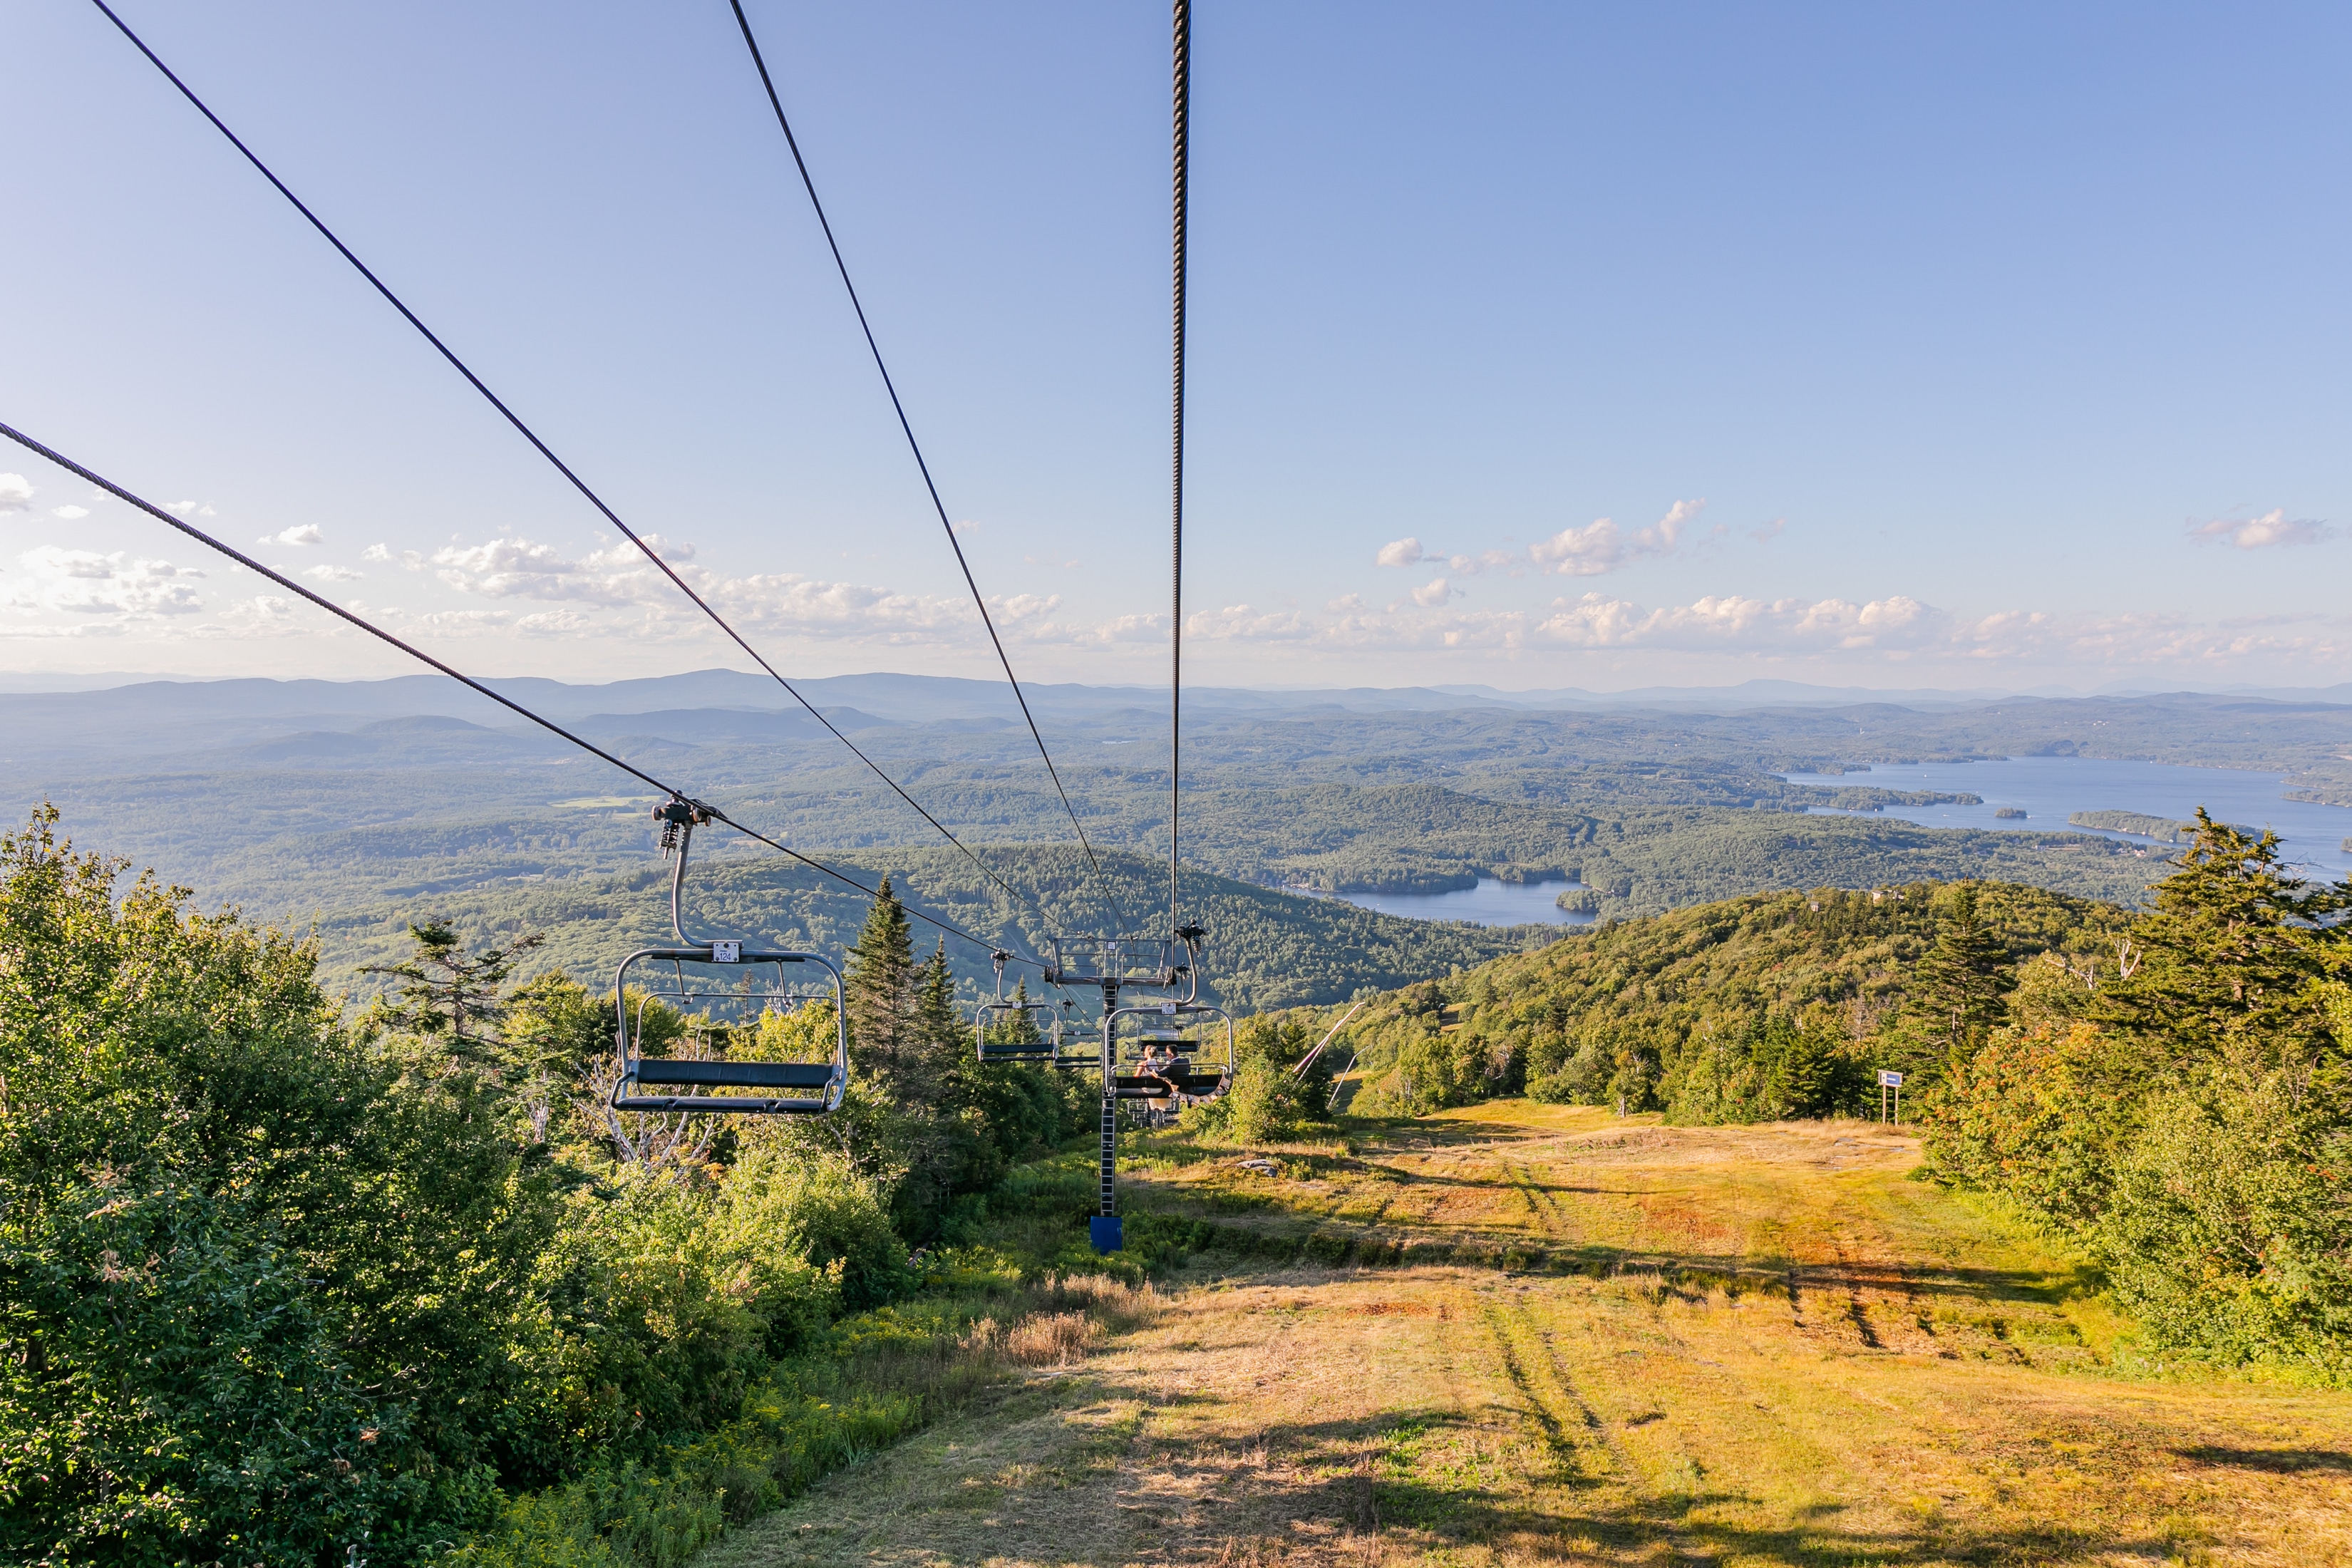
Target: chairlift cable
{"points": [[808, 183], [1183, 138], [561, 466], [249, 563]]}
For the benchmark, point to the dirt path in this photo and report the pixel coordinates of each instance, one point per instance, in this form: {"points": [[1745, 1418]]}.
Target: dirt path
{"points": [[1799, 1357]]}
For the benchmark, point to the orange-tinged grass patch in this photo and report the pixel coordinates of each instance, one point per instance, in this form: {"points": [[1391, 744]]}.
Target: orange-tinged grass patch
{"points": [[1632, 1344]]}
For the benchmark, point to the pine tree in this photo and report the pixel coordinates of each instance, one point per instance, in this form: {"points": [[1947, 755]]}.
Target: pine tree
{"points": [[880, 993], [2225, 958], [940, 1030], [1960, 982], [449, 996]]}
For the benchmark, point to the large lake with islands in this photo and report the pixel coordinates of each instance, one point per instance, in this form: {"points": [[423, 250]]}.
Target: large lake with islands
{"points": [[2047, 789]]}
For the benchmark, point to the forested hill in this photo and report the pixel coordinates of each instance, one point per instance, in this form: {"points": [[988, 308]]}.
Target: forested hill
{"points": [[1267, 948], [1755, 1007]]}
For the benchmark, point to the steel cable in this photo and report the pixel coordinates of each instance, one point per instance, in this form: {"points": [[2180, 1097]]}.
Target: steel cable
{"points": [[561, 466], [550, 725], [906, 426], [1183, 137]]}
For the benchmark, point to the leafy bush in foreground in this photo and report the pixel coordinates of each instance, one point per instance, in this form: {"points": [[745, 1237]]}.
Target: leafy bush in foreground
{"points": [[270, 1287]]}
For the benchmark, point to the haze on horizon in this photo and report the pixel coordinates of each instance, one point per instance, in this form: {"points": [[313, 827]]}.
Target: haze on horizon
{"points": [[1539, 348]]}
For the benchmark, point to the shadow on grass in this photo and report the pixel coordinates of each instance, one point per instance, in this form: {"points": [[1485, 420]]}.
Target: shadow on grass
{"points": [[1362, 1476], [1285, 1236], [2276, 1461]]}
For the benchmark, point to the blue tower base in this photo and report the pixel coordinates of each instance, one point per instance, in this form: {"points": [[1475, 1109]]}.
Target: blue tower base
{"points": [[1106, 1231]]}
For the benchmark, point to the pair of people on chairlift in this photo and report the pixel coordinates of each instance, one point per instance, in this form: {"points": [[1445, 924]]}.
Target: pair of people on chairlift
{"points": [[1161, 1062]]}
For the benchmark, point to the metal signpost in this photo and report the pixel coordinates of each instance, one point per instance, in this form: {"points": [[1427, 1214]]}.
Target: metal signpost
{"points": [[1890, 1080]]}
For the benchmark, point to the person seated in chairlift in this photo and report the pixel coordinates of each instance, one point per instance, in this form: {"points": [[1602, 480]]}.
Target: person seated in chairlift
{"points": [[1157, 1063]]}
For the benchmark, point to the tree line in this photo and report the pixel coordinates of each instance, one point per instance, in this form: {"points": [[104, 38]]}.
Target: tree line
{"points": [[278, 1280]]}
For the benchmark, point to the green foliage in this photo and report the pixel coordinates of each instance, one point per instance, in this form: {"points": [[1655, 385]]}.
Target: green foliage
{"points": [[2228, 1230], [1770, 1069], [270, 1288], [447, 995], [230, 1236], [1269, 1101], [2191, 1119], [1774, 1005], [1957, 986]]}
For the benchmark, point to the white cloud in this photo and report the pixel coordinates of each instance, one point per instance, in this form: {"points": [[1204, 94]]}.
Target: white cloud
{"points": [[1019, 608], [1586, 552], [1484, 561], [2274, 526], [266, 609], [1434, 592], [1596, 620], [1601, 546], [15, 493], [1767, 533], [85, 583], [375, 552], [192, 509], [334, 575], [1233, 623], [555, 622], [1398, 552], [1896, 629], [71, 513], [302, 533], [620, 577]]}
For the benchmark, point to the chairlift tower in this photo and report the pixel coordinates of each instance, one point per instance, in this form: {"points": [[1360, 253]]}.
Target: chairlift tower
{"points": [[1171, 1050]]}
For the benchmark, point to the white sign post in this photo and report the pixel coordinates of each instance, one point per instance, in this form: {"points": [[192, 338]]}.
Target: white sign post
{"points": [[1890, 1080]]}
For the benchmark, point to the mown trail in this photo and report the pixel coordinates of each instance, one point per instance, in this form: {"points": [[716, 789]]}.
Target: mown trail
{"points": [[1608, 1344]]}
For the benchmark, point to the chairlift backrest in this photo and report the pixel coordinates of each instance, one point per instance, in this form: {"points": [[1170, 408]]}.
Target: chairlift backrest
{"points": [[1146, 962], [785, 1089], [1045, 1048]]}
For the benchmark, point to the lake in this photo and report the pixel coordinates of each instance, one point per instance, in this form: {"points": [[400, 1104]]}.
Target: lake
{"points": [[2048, 788], [1493, 902]]}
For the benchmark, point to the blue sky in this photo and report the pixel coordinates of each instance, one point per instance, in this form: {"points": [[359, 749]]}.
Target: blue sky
{"points": [[1982, 346]]}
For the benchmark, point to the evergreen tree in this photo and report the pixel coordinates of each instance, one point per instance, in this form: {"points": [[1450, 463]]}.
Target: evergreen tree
{"points": [[2225, 960], [450, 996], [939, 1027], [880, 991], [1959, 982]]}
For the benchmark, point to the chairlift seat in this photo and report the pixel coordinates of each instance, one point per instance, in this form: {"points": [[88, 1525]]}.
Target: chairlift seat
{"points": [[1039, 1052], [1176, 1080], [778, 1089], [823, 1077]]}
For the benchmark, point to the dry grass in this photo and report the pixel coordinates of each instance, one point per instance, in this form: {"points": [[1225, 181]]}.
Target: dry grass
{"points": [[1736, 1346]]}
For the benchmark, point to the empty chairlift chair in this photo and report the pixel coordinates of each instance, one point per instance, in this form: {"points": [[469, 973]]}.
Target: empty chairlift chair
{"points": [[1041, 1044], [739, 983]]}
